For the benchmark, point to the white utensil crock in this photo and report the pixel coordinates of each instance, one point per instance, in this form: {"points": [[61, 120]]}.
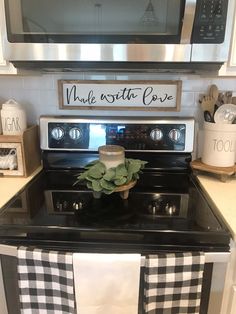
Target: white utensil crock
{"points": [[219, 144]]}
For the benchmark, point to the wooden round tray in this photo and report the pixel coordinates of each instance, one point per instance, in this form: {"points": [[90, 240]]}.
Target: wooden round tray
{"points": [[223, 172], [123, 190]]}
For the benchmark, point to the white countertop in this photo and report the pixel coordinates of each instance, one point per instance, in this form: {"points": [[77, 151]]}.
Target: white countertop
{"points": [[11, 185], [223, 195]]}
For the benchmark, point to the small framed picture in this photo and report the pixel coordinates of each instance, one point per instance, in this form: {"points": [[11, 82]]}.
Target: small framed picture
{"points": [[11, 159]]}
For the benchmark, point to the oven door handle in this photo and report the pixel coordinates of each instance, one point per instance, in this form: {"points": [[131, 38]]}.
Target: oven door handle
{"points": [[210, 257], [217, 257]]}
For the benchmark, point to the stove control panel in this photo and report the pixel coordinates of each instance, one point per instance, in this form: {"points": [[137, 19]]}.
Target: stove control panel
{"points": [[61, 133]]}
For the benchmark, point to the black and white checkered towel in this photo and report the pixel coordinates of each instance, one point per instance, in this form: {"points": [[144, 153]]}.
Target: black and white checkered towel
{"points": [[45, 281], [173, 283]]}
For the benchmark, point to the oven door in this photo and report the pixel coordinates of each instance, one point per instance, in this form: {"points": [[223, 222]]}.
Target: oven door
{"points": [[212, 293]]}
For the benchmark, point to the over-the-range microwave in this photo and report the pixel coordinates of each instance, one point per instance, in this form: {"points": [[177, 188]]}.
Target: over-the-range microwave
{"points": [[111, 34]]}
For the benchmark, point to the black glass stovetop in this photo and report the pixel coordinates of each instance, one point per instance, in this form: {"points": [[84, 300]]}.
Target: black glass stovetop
{"points": [[174, 213]]}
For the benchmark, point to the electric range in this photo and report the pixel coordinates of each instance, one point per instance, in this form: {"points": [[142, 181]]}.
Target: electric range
{"points": [[166, 210]]}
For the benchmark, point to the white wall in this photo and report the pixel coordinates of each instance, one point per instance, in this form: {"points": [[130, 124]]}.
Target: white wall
{"points": [[39, 96]]}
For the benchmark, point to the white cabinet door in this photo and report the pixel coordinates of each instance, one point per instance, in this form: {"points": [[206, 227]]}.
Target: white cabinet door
{"points": [[5, 67], [229, 68], [233, 301], [2, 63]]}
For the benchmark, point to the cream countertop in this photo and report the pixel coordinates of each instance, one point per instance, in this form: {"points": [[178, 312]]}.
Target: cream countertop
{"points": [[11, 185], [223, 195]]}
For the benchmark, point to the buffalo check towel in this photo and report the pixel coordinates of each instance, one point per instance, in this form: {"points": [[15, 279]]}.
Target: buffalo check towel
{"points": [[173, 283], [45, 280]]}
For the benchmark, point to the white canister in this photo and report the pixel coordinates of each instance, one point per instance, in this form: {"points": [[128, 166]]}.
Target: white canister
{"points": [[13, 118], [219, 144]]}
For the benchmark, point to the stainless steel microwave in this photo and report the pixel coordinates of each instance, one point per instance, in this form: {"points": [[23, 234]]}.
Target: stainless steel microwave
{"points": [[111, 33]]}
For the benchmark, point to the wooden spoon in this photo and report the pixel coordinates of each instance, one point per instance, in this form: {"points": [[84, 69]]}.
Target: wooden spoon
{"points": [[207, 104], [214, 92]]}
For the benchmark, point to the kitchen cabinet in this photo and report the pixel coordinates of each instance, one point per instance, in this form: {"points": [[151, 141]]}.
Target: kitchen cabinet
{"points": [[5, 67], [233, 304], [222, 194], [229, 297], [229, 68]]}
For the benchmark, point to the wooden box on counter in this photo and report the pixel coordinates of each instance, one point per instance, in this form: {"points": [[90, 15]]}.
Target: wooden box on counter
{"points": [[25, 148]]}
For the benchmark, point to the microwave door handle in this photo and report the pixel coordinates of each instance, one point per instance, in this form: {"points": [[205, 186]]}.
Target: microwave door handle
{"points": [[8, 250], [188, 20]]}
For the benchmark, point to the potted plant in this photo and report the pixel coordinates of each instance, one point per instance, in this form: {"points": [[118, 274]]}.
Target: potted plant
{"points": [[115, 178]]}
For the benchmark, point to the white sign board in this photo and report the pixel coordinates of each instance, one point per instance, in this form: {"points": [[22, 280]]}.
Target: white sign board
{"points": [[132, 95]]}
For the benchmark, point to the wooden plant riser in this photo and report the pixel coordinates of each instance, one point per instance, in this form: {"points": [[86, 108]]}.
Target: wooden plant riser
{"points": [[123, 190], [224, 173]]}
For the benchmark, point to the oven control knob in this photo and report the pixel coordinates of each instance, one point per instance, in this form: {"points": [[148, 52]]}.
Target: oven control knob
{"points": [[57, 133], [75, 133], [156, 134], [174, 135]]}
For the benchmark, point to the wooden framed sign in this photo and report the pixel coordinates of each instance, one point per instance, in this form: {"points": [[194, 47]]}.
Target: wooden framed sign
{"points": [[120, 95]]}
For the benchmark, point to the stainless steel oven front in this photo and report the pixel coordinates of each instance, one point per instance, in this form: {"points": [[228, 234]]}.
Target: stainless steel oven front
{"points": [[215, 269], [116, 31], [166, 211]]}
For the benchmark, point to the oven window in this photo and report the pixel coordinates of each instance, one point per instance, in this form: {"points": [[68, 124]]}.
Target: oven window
{"points": [[95, 21]]}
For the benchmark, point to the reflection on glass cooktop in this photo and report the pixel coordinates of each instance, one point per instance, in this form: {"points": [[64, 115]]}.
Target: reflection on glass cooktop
{"points": [[142, 211], [156, 216], [112, 210]]}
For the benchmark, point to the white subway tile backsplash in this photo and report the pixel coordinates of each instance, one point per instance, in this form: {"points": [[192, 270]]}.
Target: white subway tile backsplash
{"points": [[99, 76], [225, 84], [146, 76], [5, 94], [187, 99], [11, 82], [39, 94], [66, 76], [48, 98], [196, 85], [44, 82], [27, 96]]}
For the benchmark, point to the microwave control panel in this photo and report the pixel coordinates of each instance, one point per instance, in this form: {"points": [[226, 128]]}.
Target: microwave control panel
{"points": [[210, 21]]}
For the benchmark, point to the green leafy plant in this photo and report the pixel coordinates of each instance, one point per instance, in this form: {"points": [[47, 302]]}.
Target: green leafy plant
{"points": [[100, 179]]}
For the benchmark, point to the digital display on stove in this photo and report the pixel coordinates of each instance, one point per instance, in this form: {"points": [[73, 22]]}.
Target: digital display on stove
{"points": [[89, 136]]}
